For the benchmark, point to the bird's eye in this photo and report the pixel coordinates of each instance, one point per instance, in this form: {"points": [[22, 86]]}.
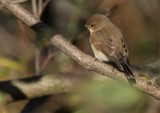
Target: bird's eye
{"points": [[92, 25]]}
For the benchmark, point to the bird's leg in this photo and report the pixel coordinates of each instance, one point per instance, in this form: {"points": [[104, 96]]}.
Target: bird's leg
{"points": [[113, 68], [95, 59], [111, 63]]}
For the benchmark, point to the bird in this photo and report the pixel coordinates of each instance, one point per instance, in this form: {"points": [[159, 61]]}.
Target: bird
{"points": [[108, 44]]}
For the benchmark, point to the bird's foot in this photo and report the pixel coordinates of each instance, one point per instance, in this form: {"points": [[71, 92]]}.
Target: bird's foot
{"points": [[113, 68], [95, 59]]}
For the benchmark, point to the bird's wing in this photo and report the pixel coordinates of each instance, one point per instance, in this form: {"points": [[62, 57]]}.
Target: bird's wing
{"points": [[105, 45], [113, 46], [124, 48]]}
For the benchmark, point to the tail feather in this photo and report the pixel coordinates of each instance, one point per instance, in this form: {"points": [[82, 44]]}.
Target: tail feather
{"points": [[129, 74]]}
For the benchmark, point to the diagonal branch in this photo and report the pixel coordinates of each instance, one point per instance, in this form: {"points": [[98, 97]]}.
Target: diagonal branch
{"points": [[80, 57]]}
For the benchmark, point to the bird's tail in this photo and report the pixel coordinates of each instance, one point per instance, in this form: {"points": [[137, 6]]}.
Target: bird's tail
{"points": [[129, 74]]}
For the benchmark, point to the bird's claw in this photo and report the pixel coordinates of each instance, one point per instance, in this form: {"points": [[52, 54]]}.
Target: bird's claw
{"points": [[95, 59], [112, 68]]}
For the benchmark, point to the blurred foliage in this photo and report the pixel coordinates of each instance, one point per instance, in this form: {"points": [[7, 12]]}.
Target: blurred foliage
{"points": [[11, 64], [108, 96], [75, 18], [7, 66], [1, 98]]}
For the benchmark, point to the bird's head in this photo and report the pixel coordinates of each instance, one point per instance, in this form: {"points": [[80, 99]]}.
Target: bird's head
{"points": [[96, 22]]}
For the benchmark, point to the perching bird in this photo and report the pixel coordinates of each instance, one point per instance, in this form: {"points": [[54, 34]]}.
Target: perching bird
{"points": [[108, 44]]}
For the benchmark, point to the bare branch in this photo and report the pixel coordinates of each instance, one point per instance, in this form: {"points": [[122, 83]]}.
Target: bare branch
{"points": [[80, 57], [35, 86]]}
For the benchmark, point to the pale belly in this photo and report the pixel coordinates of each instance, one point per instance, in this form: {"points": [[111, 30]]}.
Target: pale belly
{"points": [[99, 55]]}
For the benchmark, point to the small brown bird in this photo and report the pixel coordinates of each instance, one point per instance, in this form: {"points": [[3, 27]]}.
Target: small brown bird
{"points": [[108, 44]]}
